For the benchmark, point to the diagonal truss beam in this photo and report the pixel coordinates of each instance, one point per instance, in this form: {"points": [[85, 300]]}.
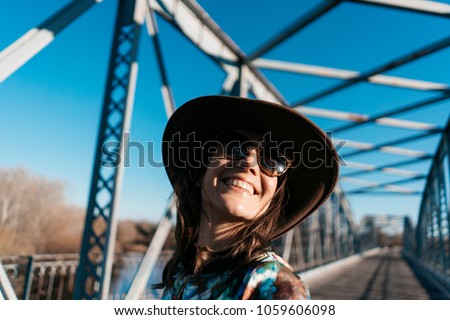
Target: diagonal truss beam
{"points": [[153, 32], [198, 27], [302, 22], [370, 185], [182, 14], [389, 168], [326, 72], [389, 187], [421, 6], [194, 23], [6, 288], [36, 39], [359, 118], [387, 146], [150, 259], [367, 147], [390, 192], [422, 52], [384, 115]]}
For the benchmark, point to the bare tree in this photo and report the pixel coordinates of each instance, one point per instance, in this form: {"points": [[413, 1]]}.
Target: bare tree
{"points": [[34, 215], [36, 218]]}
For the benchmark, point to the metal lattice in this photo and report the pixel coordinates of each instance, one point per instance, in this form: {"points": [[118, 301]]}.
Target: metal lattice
{"points": [[433, 229], [99, 234], [326, 236]]}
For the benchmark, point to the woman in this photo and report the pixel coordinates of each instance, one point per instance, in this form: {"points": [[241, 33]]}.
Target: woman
{"points": [[244, 172]]}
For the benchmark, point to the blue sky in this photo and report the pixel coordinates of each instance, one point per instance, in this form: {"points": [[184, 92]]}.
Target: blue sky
{"points": [[51, 106]]}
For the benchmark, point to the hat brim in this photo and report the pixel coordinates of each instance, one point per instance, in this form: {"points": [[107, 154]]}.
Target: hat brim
{"points": [[313, 177]]}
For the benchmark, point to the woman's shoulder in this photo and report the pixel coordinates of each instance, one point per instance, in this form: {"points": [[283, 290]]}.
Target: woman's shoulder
{"points": [[271, 278]]}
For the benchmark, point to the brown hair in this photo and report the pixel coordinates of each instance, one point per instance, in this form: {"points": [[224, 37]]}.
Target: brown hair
{"points": [[255, 234]]}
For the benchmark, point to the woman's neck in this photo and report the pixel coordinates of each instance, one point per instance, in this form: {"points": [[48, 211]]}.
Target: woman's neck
{"points": [[217, 235]]}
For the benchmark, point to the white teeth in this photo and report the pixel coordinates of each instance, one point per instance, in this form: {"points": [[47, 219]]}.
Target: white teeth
{"points": [[240, 184]]}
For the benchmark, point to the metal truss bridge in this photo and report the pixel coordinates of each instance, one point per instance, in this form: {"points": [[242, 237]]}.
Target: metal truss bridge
{"points": [[330, 242]]}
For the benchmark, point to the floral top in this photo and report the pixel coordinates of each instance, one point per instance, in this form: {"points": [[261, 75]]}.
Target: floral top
{"points": [[268, 278]]}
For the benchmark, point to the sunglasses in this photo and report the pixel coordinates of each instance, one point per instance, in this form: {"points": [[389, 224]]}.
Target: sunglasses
{"points": [[235, 146]]}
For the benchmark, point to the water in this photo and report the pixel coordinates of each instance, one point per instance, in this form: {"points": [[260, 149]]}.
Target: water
{"points": [[121, 283]]}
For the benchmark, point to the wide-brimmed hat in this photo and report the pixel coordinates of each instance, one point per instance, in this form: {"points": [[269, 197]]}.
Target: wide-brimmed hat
{"points": [[313, 175]]}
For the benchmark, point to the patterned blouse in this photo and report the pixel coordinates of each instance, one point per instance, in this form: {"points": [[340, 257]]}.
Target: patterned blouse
{"points": [[268, 278]]}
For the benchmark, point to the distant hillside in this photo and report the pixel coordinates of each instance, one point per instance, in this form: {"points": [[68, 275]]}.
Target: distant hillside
{"points": [[36, 218]]}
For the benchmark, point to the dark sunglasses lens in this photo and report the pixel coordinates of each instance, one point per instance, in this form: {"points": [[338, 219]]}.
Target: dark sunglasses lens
{"points": [[274, 165], [234, 150], [236, 146]]}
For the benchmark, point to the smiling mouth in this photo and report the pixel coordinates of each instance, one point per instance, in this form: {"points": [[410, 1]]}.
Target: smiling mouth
{"points": [[240, 184]]}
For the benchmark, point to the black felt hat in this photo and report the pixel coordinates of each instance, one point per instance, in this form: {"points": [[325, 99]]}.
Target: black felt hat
{"points": [[315, 171]]}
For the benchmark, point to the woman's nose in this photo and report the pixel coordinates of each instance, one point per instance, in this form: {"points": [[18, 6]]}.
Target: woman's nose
{"points": [[250, 161]]}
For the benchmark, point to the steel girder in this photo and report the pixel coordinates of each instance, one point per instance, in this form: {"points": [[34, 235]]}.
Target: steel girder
{"points": [[36, 39], [244, 76], [97, 251], [432, 237], [6, 289], [409, 239], [195, 24], [328, 235]]}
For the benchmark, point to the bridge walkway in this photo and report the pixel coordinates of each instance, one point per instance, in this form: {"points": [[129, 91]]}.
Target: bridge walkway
{"points": [[380, 274]]}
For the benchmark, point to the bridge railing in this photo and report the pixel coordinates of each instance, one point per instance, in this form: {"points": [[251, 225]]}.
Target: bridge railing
{"points": [[429, 243], [326, 236], [52, 276], [409, 236]]}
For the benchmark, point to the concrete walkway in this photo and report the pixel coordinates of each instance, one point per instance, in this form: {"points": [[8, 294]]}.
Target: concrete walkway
{"points": [[380, 274]]}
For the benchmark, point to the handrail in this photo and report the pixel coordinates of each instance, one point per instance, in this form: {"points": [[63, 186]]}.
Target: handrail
{"points": [[429, 243]]}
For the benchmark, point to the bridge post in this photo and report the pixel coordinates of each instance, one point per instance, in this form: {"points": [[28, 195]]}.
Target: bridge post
{"points": [[97, 249], [6, 289], [241, 86], [446, 195], [29, 279], [434, 218], [447, 139], [441, 211]]}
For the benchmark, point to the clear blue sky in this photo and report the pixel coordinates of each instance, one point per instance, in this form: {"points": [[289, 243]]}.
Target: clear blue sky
{"points": [[50, 108]]}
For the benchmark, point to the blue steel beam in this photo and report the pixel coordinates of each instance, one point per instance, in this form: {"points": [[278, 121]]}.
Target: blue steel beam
{"points": [[387, 184], [385, 193], [301, 23], [434, 8], [214, 42], [422, 52], [344, 74], [393, 143], [166, 90], [392, 112], [97, 250], [383, 167], [433, 228], [36, 39], [6, 289]]}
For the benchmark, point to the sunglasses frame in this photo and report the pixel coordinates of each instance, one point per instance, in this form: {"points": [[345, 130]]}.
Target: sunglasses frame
{"points": [[265, 169]]}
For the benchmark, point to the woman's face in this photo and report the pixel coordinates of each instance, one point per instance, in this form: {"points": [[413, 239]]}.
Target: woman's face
{"points": [[236, 190]]}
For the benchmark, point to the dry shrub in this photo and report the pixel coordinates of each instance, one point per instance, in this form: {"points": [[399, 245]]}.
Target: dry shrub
{"points": [[34, 215], [64, 232], [35, 218]]}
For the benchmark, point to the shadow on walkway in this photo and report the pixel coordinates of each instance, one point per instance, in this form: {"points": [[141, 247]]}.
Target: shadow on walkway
{"points": [[380, 275]]}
